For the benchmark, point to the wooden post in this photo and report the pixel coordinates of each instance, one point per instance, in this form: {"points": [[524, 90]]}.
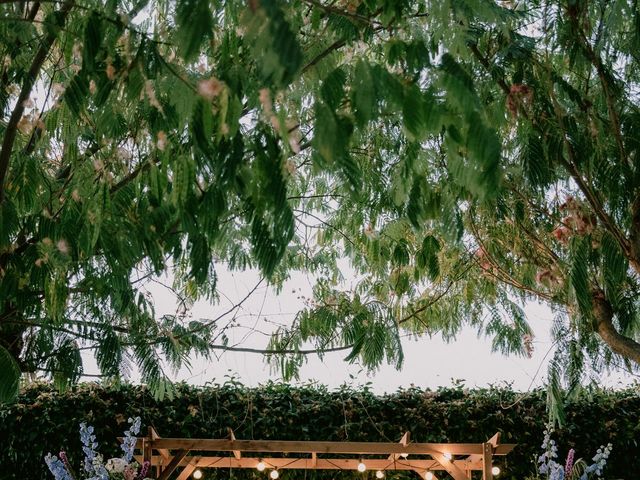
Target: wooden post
{"points": [[163, 451], [147, 450], [487, 461]]}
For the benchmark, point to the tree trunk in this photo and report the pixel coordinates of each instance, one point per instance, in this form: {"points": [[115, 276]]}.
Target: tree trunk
{"points": [[618, 343]]}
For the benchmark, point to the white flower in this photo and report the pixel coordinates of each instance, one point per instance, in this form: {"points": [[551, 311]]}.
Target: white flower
{"points": [[116, 465]]}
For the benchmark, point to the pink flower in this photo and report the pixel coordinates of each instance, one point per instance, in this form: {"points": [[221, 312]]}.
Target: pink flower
{"points": [[562, 234], [568, 466], [210, 88]]}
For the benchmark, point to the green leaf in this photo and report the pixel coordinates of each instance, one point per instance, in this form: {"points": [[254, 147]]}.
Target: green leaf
{"points": [[363, 93], [428, 256], [332, 89], [401, 253], [580, 274], [458, 84], [195, 26], [420, 114], [615, 266], [9, 376], [92, 40], [76, 94]]}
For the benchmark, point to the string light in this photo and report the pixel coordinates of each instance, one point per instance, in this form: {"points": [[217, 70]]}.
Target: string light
{"points": [[428, 476], [379, 474], [361, 467], [197, 474], [495, 470], [261, 466], [447, 456], [274, 474]]}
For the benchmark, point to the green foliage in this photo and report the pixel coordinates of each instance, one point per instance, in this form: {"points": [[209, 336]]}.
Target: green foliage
{"points": [[10, 376], [460, 161], [44, 420]]}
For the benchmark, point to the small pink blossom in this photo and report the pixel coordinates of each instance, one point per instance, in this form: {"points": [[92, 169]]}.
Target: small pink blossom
{"points": [[210, 88]]}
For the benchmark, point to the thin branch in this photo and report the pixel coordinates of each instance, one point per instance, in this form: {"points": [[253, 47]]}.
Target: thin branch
{"points": [[331, 48]]}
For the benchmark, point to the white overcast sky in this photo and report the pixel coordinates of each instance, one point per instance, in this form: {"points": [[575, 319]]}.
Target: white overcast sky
{"points": [[429, 362]]}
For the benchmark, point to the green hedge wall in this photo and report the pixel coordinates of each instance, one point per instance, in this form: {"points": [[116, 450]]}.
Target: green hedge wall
{"points": [[44, 420]]}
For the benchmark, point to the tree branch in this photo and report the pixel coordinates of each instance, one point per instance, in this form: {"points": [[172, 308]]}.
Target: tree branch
{"points": [[620, 344], [25, 93]]}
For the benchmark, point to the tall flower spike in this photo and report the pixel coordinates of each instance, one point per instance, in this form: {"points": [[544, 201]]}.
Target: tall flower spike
{"points": [[568, 466], [129, 442], [57, 468], [89, 446]]}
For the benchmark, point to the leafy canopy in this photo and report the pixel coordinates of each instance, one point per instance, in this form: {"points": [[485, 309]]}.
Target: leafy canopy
{"points": [[466, 156]]}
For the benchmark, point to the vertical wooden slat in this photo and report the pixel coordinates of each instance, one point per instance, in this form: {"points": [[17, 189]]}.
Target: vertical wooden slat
{"points": [[487, 461], [163, 451], [147, 451]]}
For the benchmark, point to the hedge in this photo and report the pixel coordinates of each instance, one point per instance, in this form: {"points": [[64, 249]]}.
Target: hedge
{"points": [[44, 420]]}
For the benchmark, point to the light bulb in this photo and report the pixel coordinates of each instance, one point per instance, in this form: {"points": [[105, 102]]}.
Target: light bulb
{"points": [[379, 474], [361, 467], [261, 466], [404, 455], [197, 474], [495, 470], [428, 476], [274, 474], [447, 456]]}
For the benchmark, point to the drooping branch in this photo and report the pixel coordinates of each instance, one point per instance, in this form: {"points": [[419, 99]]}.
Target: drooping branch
{"points": [[570, 164], [25, 93], [596, 61]]}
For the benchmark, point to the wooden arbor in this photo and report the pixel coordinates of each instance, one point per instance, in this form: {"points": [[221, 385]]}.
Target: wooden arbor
{"points": [[458, 460]]}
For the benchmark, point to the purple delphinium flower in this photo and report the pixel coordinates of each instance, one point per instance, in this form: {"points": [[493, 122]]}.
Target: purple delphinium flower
{"points": [[568, 465], [57, 468]]}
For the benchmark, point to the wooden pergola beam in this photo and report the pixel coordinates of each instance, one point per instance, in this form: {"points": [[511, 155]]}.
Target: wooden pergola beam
{"points": [[355, 448], [173, 464], [451, 467], [419, 466], [188, 469]]}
